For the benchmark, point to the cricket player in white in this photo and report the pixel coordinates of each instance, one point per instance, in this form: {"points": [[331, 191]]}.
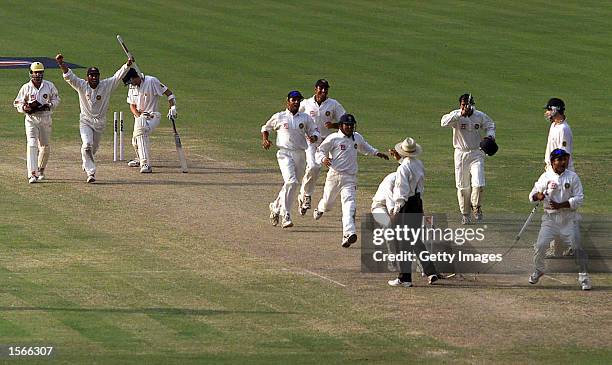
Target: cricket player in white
{"points": [[560, 134], [326, 112], [94, 97], [468, 124], [37, 99], [143, 99], [339, 153], [293, 128], [561, 191]]}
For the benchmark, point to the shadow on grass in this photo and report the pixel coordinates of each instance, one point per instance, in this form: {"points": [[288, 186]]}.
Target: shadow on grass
{"points": [[166, 311]]}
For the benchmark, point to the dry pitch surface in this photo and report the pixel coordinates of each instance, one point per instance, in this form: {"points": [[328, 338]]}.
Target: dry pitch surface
{"points": [[197, 233]]}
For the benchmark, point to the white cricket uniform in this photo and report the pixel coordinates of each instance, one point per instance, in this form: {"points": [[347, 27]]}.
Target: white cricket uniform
{"points": [[94, 106], [469, 159], [560, 136], [410, 180], [145, 97], [382, 201], [291, 134], [342, 175], [329, 111], [37, 125], [559, 224]]}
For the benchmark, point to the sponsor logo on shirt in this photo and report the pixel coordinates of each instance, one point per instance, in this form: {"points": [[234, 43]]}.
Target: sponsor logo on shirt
{"points": [[301, 125], [98, 97], [327, 113], [567, 185], [343, 147], [476, 126], [45, 96], [564, 143], [355, 146]]}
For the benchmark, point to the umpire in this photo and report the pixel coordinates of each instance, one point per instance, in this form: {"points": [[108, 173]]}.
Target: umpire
{"points": [[408, 207]]}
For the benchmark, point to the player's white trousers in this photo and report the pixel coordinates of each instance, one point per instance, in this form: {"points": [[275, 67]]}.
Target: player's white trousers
{"points": [[346, 186], [469, 178], [90, 139], [38, 136], [291, 164], [313, 169], [563, 227], [143, 127]]}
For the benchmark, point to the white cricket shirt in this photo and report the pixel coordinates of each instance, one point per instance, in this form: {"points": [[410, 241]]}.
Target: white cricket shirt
{"points": [[46, 94], [291, 130], [467, 131], [94, 102], [410, 177], [559, 188], [145, 96], [560, 136], [329, 111], [342, 150]]}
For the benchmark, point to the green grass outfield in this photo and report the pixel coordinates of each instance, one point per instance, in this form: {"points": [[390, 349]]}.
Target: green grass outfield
{"points": [[398, 66]]}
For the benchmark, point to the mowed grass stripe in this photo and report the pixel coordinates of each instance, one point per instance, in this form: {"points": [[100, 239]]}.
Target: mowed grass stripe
{"points": [[80, 296]]}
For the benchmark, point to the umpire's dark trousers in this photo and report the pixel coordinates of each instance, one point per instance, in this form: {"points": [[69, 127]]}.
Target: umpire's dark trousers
{"points": [[411, 215]]}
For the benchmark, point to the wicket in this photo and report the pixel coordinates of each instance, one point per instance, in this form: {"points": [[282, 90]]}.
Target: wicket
{"points": [[118, 142]]}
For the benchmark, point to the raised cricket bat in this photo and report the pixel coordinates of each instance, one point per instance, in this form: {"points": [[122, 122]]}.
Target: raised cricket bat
{"points": [[129, 54], [179, 148]]}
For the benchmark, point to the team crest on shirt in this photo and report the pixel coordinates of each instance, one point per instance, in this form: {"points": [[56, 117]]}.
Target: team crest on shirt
{"points": [[313, 113], [286, 125], [343, 147], [45, 96], [301, 125], [355, 146], [98, 97], [327, 113], [567, 185], [476, 126], [564, 143]]}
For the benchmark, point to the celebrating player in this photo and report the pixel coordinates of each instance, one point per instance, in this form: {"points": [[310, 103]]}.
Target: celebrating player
{"points": [[293, 129], [94, 96], [339, 153], [326, 112], [468, 124]]}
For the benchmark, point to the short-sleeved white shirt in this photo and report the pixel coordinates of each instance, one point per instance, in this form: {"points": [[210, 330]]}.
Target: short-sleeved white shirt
{"points": [[145, 96]]}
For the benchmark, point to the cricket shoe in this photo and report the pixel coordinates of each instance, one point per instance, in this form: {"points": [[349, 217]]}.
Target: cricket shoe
{"points": [[398, 282], [432, 279], [133, 163], [477, 211], [41, 175], [316, 214], [287, 223], [32, 179], [585, 281], [91, 179], [465, 219], [146, 169], [305, 203], [274, 216], [349, 239], [535, 277]]}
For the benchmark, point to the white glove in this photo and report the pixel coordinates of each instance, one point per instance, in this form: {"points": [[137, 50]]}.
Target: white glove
{"points": [[172, 112]]}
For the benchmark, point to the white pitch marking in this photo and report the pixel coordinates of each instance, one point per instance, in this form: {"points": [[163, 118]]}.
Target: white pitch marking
{"points": [[324, 277]]}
